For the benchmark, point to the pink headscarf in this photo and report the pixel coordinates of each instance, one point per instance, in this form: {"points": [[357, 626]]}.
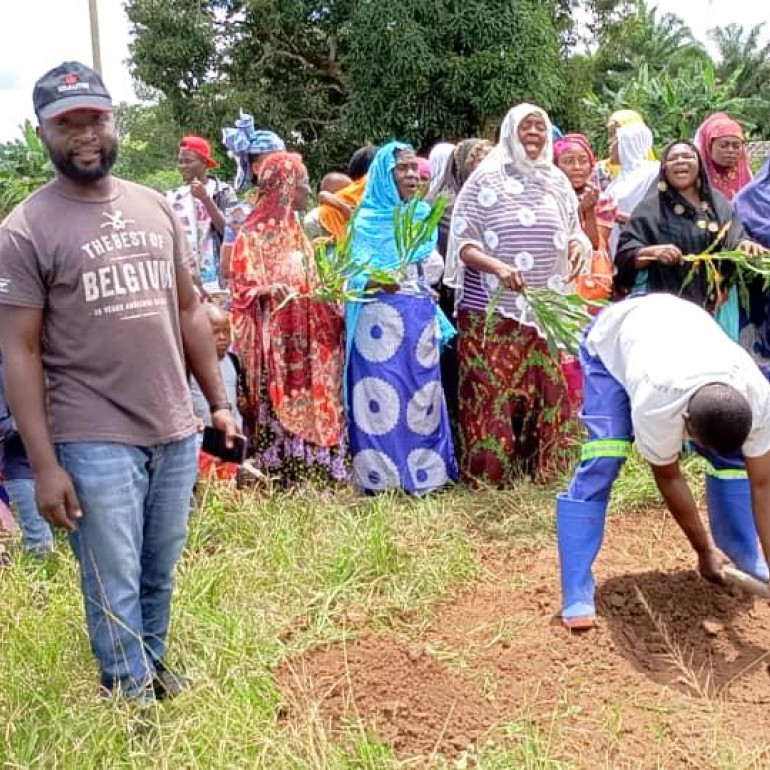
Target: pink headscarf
{"points": [[423, 165], [728, 181], [573, 142]]}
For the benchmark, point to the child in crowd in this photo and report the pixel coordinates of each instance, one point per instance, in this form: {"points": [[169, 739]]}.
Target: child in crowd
{"points": [[331, 184], [235, 386], [19, 483], [229, 365]]}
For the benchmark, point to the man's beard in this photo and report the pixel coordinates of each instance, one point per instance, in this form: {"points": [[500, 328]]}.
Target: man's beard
{"points": [[68, 168]]}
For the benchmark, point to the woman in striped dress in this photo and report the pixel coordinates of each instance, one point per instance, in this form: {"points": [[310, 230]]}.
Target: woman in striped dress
{"points": [[515, 223]]}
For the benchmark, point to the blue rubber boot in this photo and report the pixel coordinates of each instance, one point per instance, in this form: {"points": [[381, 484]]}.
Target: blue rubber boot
{"points": [[732, 524], [579, 531]]}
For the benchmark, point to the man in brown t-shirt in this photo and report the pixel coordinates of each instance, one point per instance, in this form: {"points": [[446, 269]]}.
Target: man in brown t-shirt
{"points": [[98, 315]]}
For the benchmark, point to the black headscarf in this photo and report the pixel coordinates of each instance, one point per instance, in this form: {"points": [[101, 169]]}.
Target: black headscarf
{"points": [[664, 216], [360, 160]]}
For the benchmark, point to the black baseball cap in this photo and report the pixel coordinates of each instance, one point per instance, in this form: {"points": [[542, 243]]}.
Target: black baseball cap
{"points": [[70, 86]]}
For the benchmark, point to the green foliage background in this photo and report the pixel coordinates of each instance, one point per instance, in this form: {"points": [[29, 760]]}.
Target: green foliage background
{"points": [[331, 75]]}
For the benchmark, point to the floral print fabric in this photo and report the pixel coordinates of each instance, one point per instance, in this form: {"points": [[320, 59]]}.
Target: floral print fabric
{"points": [[291, 352], [514, 405]]}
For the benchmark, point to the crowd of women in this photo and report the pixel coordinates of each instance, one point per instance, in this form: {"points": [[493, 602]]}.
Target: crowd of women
{"points": [[443, 372]]}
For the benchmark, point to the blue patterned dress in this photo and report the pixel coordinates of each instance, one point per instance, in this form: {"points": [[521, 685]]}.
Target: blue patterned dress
{"points": [[400, 435]]}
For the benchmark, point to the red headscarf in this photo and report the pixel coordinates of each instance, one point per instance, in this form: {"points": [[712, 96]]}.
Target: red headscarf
{"points": [[297, 347], [728, 181], [573, 142], [274, 205]]}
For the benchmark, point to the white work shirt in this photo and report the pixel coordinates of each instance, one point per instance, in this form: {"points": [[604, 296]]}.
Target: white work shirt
{"points": [[662, 349]]}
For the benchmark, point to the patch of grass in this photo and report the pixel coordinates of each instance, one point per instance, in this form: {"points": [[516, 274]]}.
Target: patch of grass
{"points": [[522, 745], [527, 512], [731, 756], [263, 579], [260, 580], [635, 488], [524, 513]]}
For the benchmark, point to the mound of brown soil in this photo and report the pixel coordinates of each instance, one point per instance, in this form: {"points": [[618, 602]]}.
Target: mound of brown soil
{"points": [[409, 698], [684, 633], [670, 652]]}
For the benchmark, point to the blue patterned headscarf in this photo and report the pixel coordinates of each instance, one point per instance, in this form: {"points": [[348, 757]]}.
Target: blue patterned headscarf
{"points": [[243, 142], [373, 232]]}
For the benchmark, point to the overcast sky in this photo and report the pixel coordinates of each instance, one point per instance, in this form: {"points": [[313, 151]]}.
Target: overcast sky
{"points": [[39, 34]]}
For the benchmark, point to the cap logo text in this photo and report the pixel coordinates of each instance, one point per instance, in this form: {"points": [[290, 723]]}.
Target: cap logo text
{"points": [[69, 87]]}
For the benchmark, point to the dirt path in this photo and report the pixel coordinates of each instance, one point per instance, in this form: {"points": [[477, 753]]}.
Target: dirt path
{"points": [[675, 676]]}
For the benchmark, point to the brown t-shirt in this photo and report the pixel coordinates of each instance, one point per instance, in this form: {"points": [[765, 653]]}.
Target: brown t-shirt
{"points": [[104, 273]]}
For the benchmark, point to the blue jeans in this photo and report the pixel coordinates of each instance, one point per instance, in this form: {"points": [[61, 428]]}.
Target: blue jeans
{"points": [[135, 503], [35, 530]]}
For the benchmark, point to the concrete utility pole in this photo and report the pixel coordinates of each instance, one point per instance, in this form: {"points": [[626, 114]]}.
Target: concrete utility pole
{"points": [[96, 51]]}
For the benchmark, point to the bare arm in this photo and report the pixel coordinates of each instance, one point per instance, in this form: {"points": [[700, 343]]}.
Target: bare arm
{"points": [[216, 214], [225, 261], [587, 213], [758, 469], [591, 227], [681, 504], [20, 330], [666, 254], [201, 355], [20, 333], [198, 190], [329, 199], [476, 259]]}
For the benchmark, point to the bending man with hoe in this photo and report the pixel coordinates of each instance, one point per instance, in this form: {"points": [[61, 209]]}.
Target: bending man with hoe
{"points": [[658, 370]]}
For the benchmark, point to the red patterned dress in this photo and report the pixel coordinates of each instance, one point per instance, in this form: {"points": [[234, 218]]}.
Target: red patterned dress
{"points": [[292, 353]]}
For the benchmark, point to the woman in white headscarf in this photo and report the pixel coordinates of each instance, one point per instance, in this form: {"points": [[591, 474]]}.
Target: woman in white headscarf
{"points": [[631, 146], [515, 222], [438, 159]]}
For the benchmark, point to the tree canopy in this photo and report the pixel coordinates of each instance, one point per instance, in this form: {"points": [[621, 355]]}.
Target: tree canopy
{"points": [[426, 71], [330, 75]]}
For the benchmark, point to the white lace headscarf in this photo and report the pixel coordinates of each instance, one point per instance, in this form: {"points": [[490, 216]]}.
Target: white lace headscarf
{"points": [[637, 171], [509, 155]]}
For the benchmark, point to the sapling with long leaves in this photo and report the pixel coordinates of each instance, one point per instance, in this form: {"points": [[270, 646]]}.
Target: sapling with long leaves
{"points": [[562, 318], [336, 269]]}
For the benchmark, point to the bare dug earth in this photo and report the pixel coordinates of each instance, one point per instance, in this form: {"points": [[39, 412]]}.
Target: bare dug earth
{"points": [[676, 675]]}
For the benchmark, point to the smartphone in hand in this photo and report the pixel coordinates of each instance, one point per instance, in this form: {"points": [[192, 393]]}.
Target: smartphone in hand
{"points": [[215, 444]]}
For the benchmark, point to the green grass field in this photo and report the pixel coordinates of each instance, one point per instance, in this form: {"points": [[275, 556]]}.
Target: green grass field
{"points": [[260, 580]]}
